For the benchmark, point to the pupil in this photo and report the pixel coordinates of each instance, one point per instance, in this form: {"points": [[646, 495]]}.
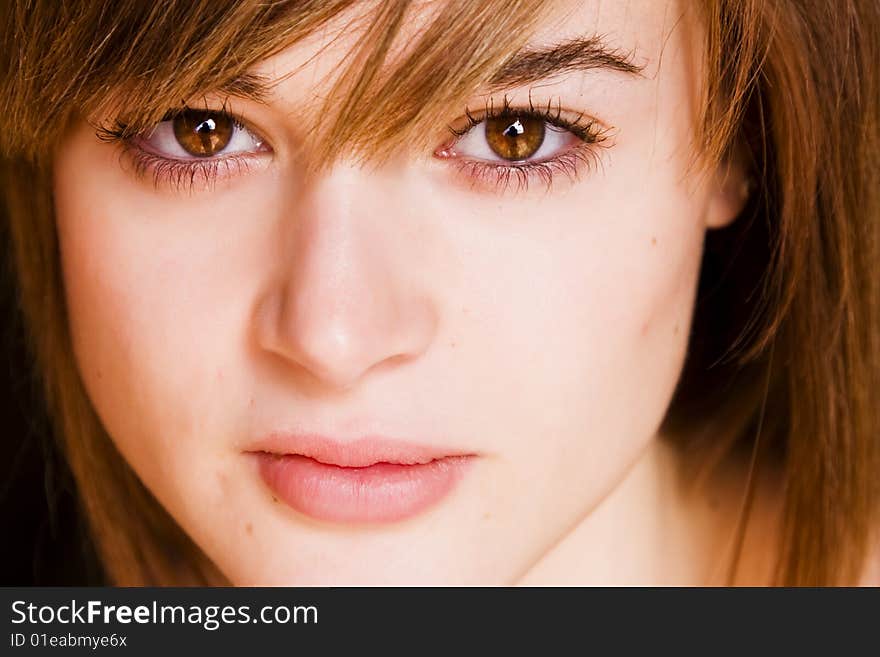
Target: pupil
{"points": [[515, 129], [203, 134], [208, 125], [514, 138]]}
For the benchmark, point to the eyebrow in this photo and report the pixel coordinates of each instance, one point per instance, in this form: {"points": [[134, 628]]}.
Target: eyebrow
{"points": [[250, 86], [533, 64], [526, 66]]}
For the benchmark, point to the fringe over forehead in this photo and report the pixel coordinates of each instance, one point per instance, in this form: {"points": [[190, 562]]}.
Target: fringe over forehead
{"points": [[91, 57]]}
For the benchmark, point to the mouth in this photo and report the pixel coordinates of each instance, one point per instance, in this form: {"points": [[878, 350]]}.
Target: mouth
{"points": [[372, 480]]}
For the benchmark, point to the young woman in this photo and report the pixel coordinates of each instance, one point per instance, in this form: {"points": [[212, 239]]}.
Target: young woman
{"points": [[335, 292]]}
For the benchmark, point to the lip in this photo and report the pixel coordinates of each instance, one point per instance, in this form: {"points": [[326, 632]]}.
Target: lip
{"points": [[371, 479]]}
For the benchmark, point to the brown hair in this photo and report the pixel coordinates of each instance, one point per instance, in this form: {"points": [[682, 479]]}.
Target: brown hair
{"points": [[783, 354]]}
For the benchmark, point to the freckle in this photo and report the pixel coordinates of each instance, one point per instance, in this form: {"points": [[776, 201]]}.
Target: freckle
{"points": [[251, 402], [452, 344], [654, 241], [675, 330], [487, 516], [249, 528], [274, 499]]}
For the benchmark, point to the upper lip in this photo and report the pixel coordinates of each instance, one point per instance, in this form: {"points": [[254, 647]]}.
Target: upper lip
{"points": [[361, 452]]}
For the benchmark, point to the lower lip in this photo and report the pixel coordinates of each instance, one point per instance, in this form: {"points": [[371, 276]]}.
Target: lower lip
{"points": [[383, 492]]}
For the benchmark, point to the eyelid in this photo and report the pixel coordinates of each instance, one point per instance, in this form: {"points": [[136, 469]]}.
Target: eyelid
{"points": [[239, 126], [119, 129], [589, 135], [186, 172], [579, 123]]}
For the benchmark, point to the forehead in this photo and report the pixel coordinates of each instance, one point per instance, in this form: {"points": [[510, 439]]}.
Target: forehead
{"points": [[640, 29], [371, 83]]}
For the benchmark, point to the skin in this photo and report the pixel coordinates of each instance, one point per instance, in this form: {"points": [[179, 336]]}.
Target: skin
{"points": [[542, 330]]}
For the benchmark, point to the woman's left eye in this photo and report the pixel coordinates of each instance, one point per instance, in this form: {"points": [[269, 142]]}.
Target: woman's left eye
{"points": [[199, 134], [520, 146], [511, 138]]}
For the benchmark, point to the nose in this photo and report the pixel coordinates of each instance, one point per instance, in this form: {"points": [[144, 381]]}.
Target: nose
{"points": [[346, 300]]}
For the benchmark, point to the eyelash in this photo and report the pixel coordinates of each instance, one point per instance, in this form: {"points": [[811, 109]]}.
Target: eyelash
{"points": [[584, 156], [186, 174], [179, 175]]}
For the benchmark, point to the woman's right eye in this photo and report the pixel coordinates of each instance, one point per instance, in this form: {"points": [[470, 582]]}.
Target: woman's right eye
{"points": [[200, 134]]}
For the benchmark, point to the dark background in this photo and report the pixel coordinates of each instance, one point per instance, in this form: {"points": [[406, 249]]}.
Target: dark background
{"points": [[43, 538]]}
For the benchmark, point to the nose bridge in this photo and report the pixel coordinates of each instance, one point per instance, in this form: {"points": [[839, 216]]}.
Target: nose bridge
{"points": [[343, 304], [337, 289]]}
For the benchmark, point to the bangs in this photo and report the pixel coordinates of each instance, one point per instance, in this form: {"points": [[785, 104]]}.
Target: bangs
{"points": [[138, 60]]}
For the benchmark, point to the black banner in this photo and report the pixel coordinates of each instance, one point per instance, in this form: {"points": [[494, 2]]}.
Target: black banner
{"points": [[416, 620]]}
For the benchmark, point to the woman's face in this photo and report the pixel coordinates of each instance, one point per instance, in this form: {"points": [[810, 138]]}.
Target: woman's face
{"points": [[399, 314]]}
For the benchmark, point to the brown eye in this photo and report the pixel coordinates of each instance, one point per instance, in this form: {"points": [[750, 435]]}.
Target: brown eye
{"points": [[203, 134], [514, 138]]}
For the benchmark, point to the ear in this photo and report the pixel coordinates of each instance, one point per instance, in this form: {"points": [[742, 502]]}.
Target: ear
{"points": [[731, 187]]}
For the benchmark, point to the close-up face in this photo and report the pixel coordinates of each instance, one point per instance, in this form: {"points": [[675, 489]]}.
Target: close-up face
{"points": [[426, 370]]}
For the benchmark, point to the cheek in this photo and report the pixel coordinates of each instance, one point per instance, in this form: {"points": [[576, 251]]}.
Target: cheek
{"points": [[157, 291], [589, 300]]}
